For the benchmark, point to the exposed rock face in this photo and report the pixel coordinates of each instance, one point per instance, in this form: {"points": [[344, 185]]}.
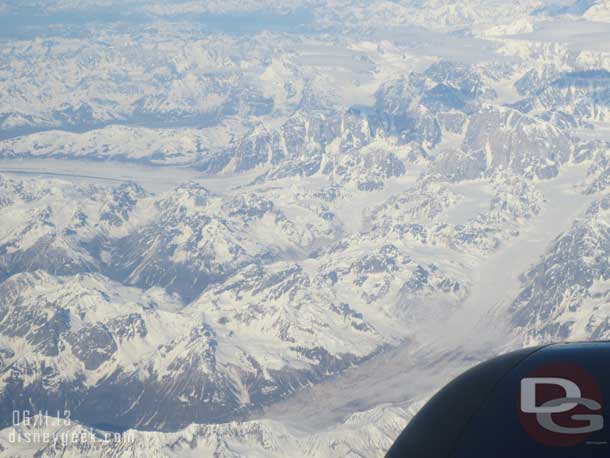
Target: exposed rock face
{"points": [[501, 139], [563, 295], [572, 99]]}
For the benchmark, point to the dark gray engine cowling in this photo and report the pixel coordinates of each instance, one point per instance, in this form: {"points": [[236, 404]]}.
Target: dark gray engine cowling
{"points": [[549, 401]]}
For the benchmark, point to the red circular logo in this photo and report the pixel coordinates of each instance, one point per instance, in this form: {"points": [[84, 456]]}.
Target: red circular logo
{"points": [[560, 405]]}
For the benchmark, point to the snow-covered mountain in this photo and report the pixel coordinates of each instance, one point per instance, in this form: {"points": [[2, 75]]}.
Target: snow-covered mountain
{"points": [[564, 295], [258, 229], [367, 433]]}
